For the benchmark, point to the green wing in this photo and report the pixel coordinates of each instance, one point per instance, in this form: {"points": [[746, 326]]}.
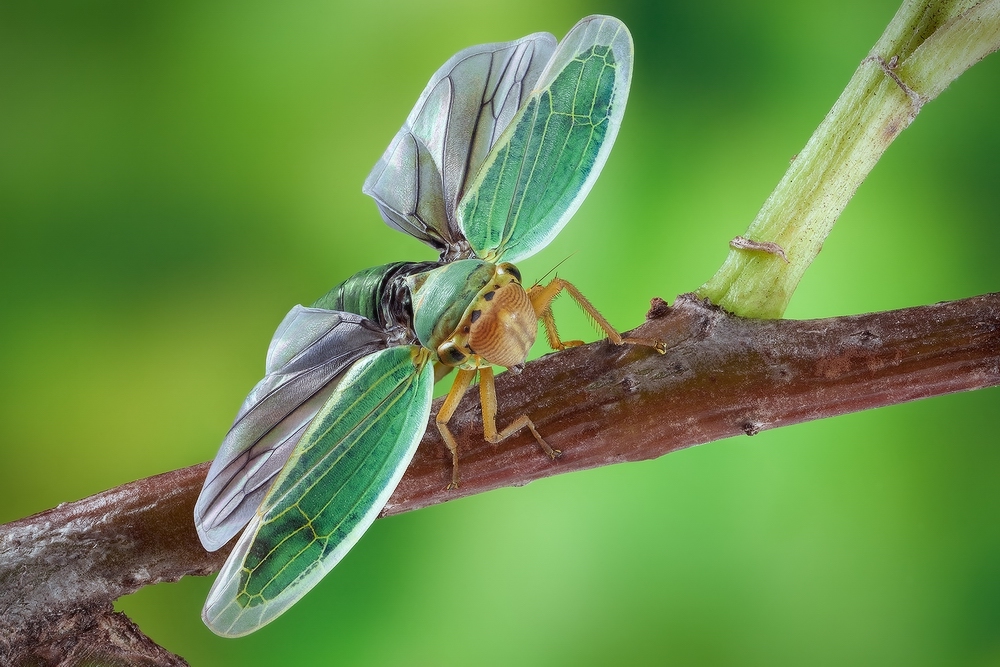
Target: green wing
{"points": [[334, 484], [548, 158]]}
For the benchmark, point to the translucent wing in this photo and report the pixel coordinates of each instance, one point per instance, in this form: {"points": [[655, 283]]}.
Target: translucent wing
{"points": [[544, 165], [309, 351], [458, 118], [339, 476]]}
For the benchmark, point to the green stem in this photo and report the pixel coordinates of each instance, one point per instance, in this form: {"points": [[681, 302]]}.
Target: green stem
{"points": [[926, 46]]}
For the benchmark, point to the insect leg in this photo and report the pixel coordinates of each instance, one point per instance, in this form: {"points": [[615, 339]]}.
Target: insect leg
{"points": [[549, 324], [488, 399], [458, 388], [541, 300]]}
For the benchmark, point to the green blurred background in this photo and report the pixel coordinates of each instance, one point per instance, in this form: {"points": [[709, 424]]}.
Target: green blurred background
{"points": [[175, 176]]}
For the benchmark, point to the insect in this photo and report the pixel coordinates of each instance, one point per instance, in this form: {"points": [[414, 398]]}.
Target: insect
{"points": [[500, 150]]}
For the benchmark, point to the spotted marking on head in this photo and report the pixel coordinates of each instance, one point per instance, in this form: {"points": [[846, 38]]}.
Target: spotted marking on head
{"points": [[498, 328]]}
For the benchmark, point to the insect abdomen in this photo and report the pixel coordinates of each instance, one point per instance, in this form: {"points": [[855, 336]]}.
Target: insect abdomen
{"points": [[378, 293]]}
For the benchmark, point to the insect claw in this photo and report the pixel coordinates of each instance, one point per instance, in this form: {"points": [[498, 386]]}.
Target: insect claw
{"points": [[555, 453], [654, 343]]}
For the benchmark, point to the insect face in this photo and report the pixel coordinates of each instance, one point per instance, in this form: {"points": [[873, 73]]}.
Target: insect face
{"points": [[505, 330], [499, 326]]}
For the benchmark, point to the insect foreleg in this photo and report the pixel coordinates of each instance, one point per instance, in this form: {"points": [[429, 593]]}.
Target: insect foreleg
{"points": [[541, 297], [488, 399], [541, 300], [549, 324]]}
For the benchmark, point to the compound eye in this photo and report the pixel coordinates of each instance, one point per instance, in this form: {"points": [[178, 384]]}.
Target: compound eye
{"points": [[451, 354], [509, 268]]}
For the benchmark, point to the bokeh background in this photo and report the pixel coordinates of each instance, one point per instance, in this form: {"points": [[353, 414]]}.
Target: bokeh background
{"points": [[175, 176]]}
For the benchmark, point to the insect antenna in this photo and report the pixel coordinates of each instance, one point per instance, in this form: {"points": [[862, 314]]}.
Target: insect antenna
{"points": [[553, 269]]}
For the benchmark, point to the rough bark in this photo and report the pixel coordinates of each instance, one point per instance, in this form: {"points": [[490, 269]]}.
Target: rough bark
{"points": [[60, 570]]}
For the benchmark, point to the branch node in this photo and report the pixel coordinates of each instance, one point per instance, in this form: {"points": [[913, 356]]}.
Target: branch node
{"points": [[657, 308], [889, 68]]}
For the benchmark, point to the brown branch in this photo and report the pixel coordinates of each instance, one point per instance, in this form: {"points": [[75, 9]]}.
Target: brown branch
{"points": [[601, 404]]}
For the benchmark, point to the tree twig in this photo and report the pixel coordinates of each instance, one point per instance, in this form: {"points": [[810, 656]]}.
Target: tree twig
{"points": [[923, 49], [60, 570]]}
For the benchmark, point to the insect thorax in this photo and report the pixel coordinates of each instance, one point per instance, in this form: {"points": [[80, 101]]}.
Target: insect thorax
{"points": [[473, 313]]}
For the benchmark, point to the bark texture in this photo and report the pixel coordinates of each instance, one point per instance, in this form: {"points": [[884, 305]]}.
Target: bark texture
{"points": [[60, 570]]}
